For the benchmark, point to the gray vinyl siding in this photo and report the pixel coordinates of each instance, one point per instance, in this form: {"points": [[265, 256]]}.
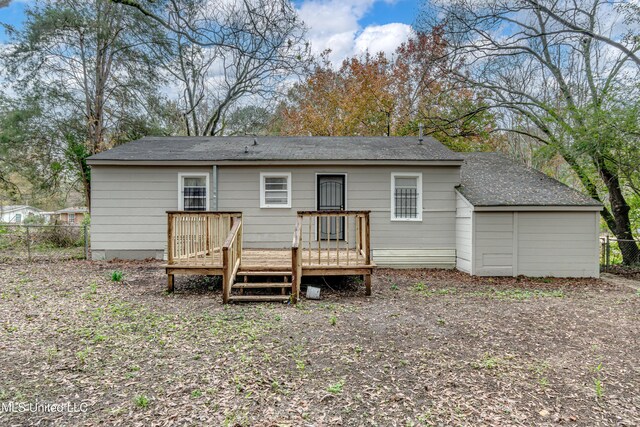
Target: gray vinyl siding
{"points": [[129, 206], [554, 244], [493, 251], [128, 209], [464, 233], [559, 244], [368, 188]]}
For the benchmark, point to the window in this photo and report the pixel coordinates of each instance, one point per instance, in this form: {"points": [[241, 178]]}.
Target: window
{"points": [[19, 218], [275, 190], [71, 218], [193, 192], [406, 197]]}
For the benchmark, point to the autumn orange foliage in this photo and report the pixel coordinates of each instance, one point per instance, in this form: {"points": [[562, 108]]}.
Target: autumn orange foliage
{"points": [[376, 95]]}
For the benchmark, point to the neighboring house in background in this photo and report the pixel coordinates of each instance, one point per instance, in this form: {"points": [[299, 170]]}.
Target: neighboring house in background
{"points": [[71, 216], [16, 214], [429, 206]]}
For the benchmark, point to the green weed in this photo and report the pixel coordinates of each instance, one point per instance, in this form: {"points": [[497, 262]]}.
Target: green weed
{"points": [[117, 276], [336, 388], [141, 401]]}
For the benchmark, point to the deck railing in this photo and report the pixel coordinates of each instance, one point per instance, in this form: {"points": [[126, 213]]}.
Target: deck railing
{"points": [[296, 260], [333, 238], [197, 238], [231, 257]]}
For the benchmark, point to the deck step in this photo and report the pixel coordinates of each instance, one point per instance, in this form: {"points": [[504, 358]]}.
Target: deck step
{"points": [[277, 285], [259, 298], [264, 273]]}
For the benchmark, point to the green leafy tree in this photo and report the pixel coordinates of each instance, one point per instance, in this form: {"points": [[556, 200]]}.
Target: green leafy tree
{"points": [[89, 63]]}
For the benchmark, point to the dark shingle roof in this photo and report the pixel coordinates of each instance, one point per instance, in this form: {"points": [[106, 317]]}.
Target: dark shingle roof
{"points": [[489, 179], [303, 148]]}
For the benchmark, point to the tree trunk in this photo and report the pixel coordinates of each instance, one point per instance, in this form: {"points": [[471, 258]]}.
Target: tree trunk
{"points": [[620, 210]]}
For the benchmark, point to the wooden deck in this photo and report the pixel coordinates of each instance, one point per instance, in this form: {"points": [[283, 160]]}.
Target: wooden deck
{"points": [[324, 244], [276, 260]]}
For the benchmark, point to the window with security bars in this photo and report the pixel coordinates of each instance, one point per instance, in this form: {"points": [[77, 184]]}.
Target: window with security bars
{"points": [[275, 191], [194, 193], [406, 203]]}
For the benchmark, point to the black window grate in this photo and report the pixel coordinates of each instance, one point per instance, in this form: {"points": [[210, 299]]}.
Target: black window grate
{"points": [[195, 198], [406, 203]]}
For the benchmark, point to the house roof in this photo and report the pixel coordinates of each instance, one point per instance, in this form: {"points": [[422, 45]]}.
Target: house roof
{"points": [[491, 180], [278, 148], [73, 209], [12, 208]]}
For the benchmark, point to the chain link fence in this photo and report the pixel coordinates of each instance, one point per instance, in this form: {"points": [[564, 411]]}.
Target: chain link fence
{"points": [[28, 243], [620, 256]]}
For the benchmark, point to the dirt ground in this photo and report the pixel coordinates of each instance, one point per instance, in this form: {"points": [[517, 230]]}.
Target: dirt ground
{"points": [[429, 347]]}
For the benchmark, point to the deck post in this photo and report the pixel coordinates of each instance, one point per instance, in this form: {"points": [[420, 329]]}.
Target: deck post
{"points": [[294, 276], [170, 239], [367, 240], [225, 275], [367, 284], [170, 282]]}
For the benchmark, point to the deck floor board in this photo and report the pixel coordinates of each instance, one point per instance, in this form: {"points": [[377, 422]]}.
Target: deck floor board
{"points": [[277, 259]]}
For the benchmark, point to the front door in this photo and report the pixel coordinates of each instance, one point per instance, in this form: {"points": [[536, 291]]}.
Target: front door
{"points": [[331, 197]]}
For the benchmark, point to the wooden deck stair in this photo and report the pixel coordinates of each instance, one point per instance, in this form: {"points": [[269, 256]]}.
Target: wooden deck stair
{"points": [[243, 288]]}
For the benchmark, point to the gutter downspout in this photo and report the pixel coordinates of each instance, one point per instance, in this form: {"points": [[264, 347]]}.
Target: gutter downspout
{"points": [[214, 191]]}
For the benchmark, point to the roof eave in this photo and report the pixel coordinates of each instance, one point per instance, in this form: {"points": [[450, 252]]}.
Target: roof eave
{"points": [[408, 162], [494, 208]]}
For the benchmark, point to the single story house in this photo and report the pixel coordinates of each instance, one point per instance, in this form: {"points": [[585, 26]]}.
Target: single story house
{"points": [[427, 205], [72, 215], [16, 214]]}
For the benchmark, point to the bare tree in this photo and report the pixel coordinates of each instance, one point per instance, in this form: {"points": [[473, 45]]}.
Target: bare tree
{"points": [[224, 54], [559, 82]]}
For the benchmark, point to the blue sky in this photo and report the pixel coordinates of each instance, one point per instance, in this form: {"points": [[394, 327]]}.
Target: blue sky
{"points": [[347, 27]]}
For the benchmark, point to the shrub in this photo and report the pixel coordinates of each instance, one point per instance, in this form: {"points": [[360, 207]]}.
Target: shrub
{"points": [[59, 236], [117, 276]]}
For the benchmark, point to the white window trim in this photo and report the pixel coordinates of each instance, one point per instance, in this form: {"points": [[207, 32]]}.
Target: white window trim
{"points": [[417, 175], [181, 176], [264, 175]]}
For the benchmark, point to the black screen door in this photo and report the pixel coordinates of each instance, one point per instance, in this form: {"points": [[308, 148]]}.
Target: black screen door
{"points": [[331, 197]]}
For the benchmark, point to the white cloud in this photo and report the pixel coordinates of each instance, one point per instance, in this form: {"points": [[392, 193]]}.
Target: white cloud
{"points": [[385, 38], [334, 24]]}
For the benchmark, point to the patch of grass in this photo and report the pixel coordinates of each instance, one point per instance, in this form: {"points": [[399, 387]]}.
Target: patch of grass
{"points": [[519, 294], [300, 365], [333, 320], [98, 337], [394, 287], [597, 381], [441, 322], [599, 388], [487, 362], [117, 276], [52, 352], [539, 369], [196, 394], [141, 401], [424, 290], [9, 327], [93, 289], [336, 388]]}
